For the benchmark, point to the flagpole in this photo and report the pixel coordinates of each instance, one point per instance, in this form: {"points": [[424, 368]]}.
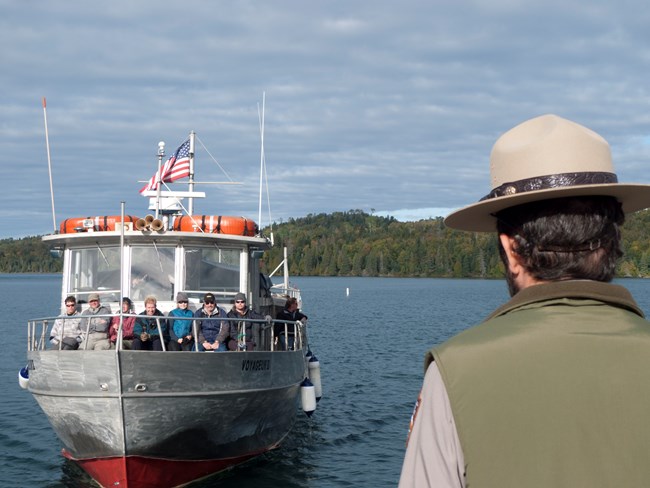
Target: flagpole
{"points": [[190, 200], [161, 154], [49, 163]]}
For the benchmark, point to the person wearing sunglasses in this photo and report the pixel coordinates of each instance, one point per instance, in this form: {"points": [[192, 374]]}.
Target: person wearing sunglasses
{"points": [[244, 335], [180, 325], [66, 333], [212, 332]]}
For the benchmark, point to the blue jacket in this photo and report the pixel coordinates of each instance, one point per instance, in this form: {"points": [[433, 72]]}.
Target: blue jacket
{"points": [[146, 323], [180, 328], [211, 330]]}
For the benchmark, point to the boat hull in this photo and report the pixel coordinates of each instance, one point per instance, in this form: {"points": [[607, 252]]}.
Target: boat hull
{"points": [[195, 413], [144, 472]]}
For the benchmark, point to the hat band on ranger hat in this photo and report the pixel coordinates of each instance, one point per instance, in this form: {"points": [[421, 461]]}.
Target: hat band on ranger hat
{"points": [[545, 158], [552, 181]]}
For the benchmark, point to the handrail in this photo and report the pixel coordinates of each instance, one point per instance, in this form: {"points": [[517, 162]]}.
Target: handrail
{"points": [[37, 330]]}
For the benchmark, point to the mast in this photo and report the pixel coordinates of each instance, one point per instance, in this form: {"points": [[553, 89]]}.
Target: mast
{"points": [[259, 215], [49, 163], [286, 269]]}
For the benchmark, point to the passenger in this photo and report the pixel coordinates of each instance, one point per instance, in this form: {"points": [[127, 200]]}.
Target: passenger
{"points": [[127, 326], [66, 330], [180, 331], [289, 313], [96, 327], [145, 330], [212, 333], [252, 329]]}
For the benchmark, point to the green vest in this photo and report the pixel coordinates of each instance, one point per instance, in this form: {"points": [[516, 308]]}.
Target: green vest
{"points": [[553, 390]]}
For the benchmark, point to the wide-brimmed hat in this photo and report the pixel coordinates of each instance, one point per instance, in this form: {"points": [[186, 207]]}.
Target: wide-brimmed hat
{"points": [[543, 158]]}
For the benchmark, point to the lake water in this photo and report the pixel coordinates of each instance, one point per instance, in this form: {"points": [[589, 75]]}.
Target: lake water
{"points": [[370, 344]]}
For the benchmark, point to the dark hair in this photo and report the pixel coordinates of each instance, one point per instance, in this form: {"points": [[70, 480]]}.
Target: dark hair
{"points": [[565, 238], [70, 298], [290, 301]]}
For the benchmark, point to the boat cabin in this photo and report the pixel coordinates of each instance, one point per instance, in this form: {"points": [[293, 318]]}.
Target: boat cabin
{"points": [[138, 263]]}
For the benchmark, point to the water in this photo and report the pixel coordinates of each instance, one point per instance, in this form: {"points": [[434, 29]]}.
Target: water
{"points": [[370, 345]]}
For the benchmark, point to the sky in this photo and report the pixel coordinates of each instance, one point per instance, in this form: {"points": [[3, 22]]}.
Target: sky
{"points": [[381, 106]]}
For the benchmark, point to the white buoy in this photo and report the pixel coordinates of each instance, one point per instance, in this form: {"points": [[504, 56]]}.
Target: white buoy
{"points": [[314, 377], [23, 378], [347, 292], [307, 397]]}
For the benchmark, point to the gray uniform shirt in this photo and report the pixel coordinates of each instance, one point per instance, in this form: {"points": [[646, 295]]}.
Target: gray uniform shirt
{"points": [[434, 457]]}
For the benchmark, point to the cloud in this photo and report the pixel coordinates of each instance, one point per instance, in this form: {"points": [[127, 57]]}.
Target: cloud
{"points": [[369, 105]]}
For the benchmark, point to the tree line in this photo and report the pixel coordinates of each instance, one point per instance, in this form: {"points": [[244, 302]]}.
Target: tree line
{"points": [[355, 243]]}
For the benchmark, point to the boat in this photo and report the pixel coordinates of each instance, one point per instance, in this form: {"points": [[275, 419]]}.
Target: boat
{"points": [[144, 419]]}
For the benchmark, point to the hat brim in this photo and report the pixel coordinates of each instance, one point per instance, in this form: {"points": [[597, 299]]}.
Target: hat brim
{"points": [[479, 217]]}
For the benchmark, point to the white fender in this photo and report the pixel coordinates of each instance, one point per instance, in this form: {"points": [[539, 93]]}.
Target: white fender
{"points": [[314, 377], [307, 397], [23, 378]]}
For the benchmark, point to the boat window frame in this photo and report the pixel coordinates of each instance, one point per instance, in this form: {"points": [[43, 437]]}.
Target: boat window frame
{"points": [[238, 255]]}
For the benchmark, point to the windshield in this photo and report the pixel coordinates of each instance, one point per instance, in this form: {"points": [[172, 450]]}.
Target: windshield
{"points": [[94, 269], [211, 269], [152, 272]]}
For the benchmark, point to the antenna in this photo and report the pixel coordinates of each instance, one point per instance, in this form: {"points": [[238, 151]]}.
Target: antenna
{"points": [[259, 215], [49, 163]]}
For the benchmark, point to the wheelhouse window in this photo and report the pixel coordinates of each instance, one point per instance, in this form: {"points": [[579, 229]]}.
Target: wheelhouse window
{"points": [[95, 269], [212, 269], [152, 272]]}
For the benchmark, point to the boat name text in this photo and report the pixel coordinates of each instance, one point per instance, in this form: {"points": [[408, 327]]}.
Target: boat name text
{"points": [[256, 365]]}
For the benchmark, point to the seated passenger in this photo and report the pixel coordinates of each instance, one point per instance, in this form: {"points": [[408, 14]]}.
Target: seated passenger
{"points": [[95, 327], [66, 330], [127, 326], [180, 330], [212, 333], [146, 331], [252, 329], [292, 314]]}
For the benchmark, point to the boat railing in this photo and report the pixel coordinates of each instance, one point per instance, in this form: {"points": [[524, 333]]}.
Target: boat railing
{"points": [[287, 292], [272, 334]]}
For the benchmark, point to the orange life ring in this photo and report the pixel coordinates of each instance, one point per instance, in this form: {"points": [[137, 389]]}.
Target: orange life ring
{"points": [[99, 223], [216, 224]]}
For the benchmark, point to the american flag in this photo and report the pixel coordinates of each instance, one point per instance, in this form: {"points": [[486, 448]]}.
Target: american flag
{"points": [[178, 166]]}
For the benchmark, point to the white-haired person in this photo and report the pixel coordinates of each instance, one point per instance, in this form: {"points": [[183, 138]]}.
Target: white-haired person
{"points": [[150, 329]]}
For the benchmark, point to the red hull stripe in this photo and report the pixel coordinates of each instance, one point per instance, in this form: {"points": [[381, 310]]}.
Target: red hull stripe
{"points": [[144, 472]]}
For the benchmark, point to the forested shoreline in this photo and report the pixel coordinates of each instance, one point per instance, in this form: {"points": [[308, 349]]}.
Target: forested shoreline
{"points": [[355, 243]]}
